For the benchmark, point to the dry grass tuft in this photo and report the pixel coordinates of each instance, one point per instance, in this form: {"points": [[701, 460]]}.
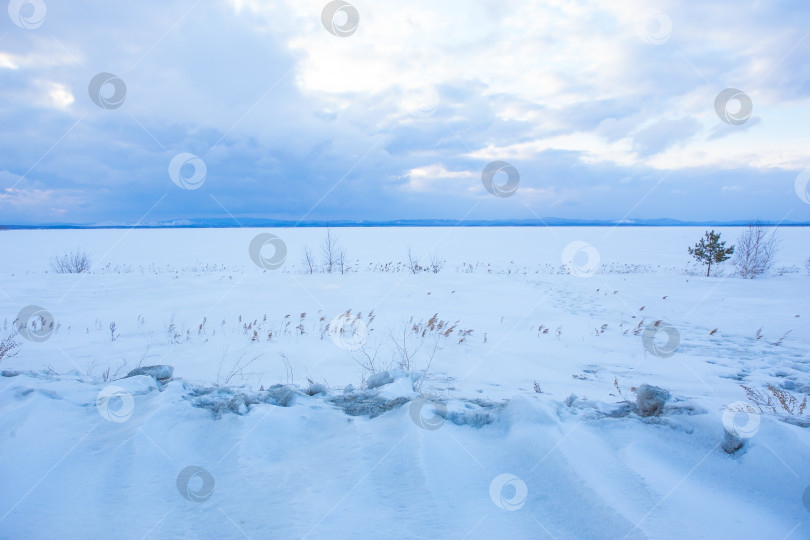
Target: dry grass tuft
{"points": [[776, 400]]}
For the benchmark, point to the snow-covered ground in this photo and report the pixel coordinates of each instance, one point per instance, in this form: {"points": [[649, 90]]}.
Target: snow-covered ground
{"points": [[515, 415]]}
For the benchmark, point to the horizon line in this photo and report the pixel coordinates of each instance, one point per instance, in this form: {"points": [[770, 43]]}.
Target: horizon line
{"points": [[252, 222]]}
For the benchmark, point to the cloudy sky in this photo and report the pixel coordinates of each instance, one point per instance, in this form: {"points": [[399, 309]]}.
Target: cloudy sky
{"points": [[606, 109]]}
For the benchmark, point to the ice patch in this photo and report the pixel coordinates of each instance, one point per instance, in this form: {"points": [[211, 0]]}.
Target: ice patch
{"points": [[160, 373], [238, 401], [366, 403], [387, 377], [650, 400], [317, 389]]}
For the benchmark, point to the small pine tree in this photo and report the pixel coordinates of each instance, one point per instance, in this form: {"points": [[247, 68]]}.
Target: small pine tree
{"points": [[711, 250]]}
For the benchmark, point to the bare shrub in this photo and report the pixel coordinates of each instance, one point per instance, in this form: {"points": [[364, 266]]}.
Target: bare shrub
{"points": [[407, 341], [366, 358], [341, 261], [72, 262], [330, 252], [309, 260], [8, 346], [411, 337], [108, 374], [413, 262], [755, 251], [238, 368], [288, 368], [436, 264], [333, 256]]}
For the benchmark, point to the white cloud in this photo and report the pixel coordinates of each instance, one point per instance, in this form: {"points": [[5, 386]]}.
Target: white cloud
{"points": [[8, 61], [60, 96], [56, 202], [593, 148], [556, 54], [436, 178]]}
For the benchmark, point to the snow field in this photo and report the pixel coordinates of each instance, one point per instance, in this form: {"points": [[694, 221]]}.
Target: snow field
{"points": [[501, 460]]}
